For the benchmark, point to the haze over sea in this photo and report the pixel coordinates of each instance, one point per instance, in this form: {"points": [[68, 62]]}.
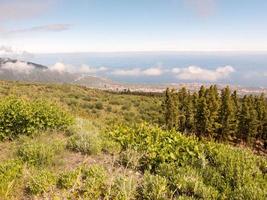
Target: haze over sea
{"points": [[237, 68]]}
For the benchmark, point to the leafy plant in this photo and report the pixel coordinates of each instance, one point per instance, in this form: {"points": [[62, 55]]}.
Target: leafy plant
{"points": [[10, 172], [124, 187], [68, 179], [85, 143], [94, 181], [40, 182], [21, 117], [37, 153], [154, 187]]}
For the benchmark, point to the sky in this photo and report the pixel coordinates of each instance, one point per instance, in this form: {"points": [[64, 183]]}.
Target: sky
{"points": [[55, 26]]}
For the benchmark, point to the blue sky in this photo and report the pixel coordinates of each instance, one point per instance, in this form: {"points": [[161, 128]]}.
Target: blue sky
{"points": [[133, 25]]}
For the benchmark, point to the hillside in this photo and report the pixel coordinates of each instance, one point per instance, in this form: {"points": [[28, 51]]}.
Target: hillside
{"points": [[61, 141]]}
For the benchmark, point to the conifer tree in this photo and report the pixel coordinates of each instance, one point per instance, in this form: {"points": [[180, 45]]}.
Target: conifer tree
{"points": [[170, 109], [194, 112], [212, 98], [260, 105], [243, 119], [248, 119], [202, 115], [226, 115], [236, 107], [185, 110]]}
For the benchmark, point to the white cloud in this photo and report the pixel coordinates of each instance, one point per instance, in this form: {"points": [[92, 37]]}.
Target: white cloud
{"points": [[8, 51], [138, 72], [88, 69], [19, 67], [60, 67], [45, 28], [201, 74], [152, 72], [83, 69]]}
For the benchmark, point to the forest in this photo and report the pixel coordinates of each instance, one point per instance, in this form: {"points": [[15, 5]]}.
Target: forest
{"points": [[220, 115]]}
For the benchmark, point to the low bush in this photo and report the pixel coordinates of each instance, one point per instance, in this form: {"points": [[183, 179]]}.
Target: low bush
{"points": [[10, 172], [192, 168], [40, 182], [21, 117], [109, 146], [85, 143], [126, 106], [123, 187], [94, 180], [99, 105], [86, 182], [130, 159], [154, 187], [68, 179], [37, 153]]}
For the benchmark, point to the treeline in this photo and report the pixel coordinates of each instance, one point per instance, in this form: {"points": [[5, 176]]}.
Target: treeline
{"points": [[221, 115]]}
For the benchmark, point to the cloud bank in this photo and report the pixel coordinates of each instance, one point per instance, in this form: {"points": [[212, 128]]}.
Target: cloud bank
{"points": [[138, 72], [84, 69], [8, 51], [201, 74], [18, 67]]}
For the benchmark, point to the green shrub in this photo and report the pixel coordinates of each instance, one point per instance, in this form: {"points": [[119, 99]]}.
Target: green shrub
{"points": [[37, 153], [40, 182], [99, 105], [85, 143], [126, 106], [197, 169], [124, 188], [109, 146], [154, 187], [68, 179], [10, 172], [130, 158], [157, 146], [94, 182], [109, 109], [114, 102], [20, 117]]}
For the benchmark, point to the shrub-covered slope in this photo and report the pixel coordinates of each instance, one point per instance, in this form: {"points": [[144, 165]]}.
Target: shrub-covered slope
{"points": [[73, 148]]}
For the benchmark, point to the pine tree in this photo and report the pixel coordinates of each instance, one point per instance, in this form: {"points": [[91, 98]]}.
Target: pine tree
{"points": [[202, 115], [248, 122], [185, 110], [194, 112], [243, 125], [236, 107], [212, 98], [170, 109], [260, 105], [226, 115], [182, 97]]}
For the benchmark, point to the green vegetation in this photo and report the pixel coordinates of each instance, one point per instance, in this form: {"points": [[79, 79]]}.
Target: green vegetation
{"points": [[38, 154], [92, 144], [21, 117], [220, 115], [185, 166], [85, 143]]}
